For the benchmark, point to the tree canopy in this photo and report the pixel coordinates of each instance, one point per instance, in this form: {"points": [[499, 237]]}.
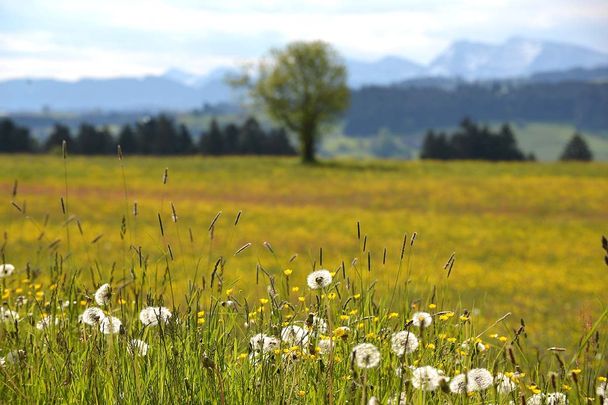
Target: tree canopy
{"points": [[301, 87], [577, 149]]}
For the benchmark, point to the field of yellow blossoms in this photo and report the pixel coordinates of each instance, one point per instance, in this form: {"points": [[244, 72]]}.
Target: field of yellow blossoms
{"points": [[258, 280]]}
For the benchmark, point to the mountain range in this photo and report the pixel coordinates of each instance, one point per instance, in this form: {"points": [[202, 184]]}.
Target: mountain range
{"points": [[516, 58]]}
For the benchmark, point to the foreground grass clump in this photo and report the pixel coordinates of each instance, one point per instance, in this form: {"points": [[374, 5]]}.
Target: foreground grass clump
{"points": [[328, 338]]}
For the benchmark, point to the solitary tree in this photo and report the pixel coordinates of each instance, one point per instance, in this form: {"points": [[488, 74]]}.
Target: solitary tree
{"points": [[301, 87], [577, 149]]}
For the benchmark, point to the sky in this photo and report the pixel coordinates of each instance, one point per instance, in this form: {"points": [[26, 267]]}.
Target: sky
{"points": [[71, 39]]}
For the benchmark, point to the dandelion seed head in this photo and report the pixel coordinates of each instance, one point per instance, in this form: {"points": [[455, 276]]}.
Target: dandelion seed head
{"points": [[426, 378], [422, 319], [458, 384], [6, 270], [92, 316], [262, 343], [479, 379], [319, 279], [504, 385], [137, 347], [151, 316], [46, 322], [403, 342], [294, 335], [319, 324], [366, 355], [7, 315], [554, 398], [400, 399], [601, 389], [103, 294], [325, 346], [13, 357], [110, 325]]}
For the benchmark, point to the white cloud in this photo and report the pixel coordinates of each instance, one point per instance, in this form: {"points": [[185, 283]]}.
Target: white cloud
{"points": [[104, 38]]}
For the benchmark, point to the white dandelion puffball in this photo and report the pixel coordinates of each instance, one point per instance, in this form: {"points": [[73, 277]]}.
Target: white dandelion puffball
{"points": [[601, 389], [504, 385], [13, 357], [319, 324], [7, 315], [400, 399], [46, 322], [151, 316], [319, 279], [458, 384], [366, 355], [110, 325], [426, 378], [374, 401], [264, 343], [92, 316], [103, 294], [137, 347], [6, 270], [325, 346], [294, 335], [422, 319], [403, 342], [479, 379], [554, 398]]}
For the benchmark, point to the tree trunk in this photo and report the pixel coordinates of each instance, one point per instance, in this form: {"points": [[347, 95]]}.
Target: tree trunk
{"points": [[307, 141]]}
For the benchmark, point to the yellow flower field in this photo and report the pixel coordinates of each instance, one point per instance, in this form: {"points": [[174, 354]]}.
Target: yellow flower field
{"points": [[526, 235]]}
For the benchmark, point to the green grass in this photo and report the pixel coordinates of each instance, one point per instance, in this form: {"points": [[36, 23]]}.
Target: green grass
{"points": [[526, 237]]}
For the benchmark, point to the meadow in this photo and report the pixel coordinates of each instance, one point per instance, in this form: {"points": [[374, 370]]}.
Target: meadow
{"points": [[193, 233]]}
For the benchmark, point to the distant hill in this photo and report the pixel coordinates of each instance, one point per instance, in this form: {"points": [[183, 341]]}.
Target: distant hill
{"points": [[518, 59], [513, 58]]}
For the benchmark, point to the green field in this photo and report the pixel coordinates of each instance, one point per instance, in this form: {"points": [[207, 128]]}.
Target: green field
{"points": [[526, 236]]}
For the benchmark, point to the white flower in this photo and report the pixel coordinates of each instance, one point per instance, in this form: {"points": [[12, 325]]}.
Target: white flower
{"points": [[110, 325], [294, 335], [325, 346], [426, 378], [504, 385], [398, 399], [7, 315], [319, 324], [92, 316], [12, 357], [422, 319], [366, 355], [103, 294], [150, 316], [374, 401], [555, 398], [479, 379], [46, 322], [403, 342], [6, 270], [137, 347], [263, 343], [458, 384], [601, 389], [319, 279]]}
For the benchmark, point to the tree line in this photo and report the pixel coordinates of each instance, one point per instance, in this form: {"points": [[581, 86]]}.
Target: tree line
{"points": [[404, 110], [472, 141], [158, 135]]}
